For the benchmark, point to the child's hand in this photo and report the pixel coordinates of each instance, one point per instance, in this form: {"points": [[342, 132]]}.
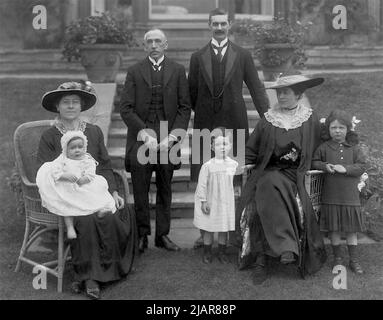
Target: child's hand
{"points": [[330, 168], [205, 207], [339, 168], [83, 180], [68, 177]]}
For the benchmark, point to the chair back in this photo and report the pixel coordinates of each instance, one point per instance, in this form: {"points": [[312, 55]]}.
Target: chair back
{"points": [[26, 141]]}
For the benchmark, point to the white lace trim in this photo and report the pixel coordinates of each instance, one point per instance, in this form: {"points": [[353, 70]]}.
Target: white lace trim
{"points": [[61, 127], [288, 120]]}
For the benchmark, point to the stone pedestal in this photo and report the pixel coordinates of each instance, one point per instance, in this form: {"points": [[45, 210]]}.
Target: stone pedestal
{"points": [[101, 113]]}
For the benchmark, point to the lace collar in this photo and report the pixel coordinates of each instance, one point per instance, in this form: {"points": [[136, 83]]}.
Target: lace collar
{"points": [[61, 127], [290, 119]]}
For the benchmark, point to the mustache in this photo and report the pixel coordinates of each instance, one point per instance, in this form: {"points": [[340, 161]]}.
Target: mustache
{"points": [[219, 31]]}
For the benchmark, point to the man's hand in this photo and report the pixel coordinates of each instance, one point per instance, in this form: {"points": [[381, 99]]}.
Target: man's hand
{"points": [[167, 143], [83, 180], [151, 142], [118, 200], [68, 177], [205, 207]]}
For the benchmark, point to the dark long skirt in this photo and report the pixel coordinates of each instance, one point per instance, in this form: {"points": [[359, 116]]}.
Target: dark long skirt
{"points": [[271, 222], [101, 251], [278, 210]]}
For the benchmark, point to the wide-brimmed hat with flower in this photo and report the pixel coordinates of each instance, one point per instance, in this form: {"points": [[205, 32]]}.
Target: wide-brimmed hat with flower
{"points": [[84, 90], [300, 81]]}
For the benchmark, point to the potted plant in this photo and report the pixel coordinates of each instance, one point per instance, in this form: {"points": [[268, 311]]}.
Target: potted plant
{"points": [[99, 41], [278, 44]]}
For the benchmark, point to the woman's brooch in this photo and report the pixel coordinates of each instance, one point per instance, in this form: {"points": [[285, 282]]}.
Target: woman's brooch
{"points": [[292, 155]]}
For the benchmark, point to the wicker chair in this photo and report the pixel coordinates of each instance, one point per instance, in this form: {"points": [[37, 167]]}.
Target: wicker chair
{"points": [[26, 141]]}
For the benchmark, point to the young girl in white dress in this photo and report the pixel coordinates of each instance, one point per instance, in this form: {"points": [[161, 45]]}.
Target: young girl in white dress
{"points": [[69, 185], [214, 209]]}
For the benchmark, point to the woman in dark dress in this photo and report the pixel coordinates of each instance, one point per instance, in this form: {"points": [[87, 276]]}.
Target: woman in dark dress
{"points": [[276, 215], [100, 251]]}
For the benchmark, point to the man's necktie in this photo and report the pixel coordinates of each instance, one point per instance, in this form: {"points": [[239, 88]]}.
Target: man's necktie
{"points": [[156, 67], [219, 49]]}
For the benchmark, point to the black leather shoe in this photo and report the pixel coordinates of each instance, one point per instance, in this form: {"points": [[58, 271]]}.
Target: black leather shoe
{"points": [[165, 242], [92, 290], [259, 274], [287, 257], [77, 287], [142, 244]]}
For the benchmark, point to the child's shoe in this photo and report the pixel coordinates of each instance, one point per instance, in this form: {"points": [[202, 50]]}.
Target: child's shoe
{"points": [[222, 257], [207, 254], [338, 260], [354, 264]]}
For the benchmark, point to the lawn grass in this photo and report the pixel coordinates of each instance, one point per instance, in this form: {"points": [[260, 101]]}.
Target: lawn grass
{"points": [[164, 275]]}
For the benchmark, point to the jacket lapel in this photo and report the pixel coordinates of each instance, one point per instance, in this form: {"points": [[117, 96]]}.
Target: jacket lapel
{"points": [[168, 71], [145, 71], [207, 67], [230, 61]]}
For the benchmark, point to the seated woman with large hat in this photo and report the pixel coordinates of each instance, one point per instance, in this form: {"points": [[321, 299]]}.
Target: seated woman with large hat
{"points": [[100, 251], [276, 215]]}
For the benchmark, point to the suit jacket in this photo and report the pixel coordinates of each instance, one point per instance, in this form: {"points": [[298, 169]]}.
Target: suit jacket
{"points": [[137, 94], [233, 114]]}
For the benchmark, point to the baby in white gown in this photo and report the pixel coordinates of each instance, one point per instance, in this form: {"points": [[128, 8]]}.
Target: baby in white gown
{"points": [[69, 185]]}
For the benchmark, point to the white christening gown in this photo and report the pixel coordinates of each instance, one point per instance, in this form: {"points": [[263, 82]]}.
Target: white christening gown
{"points": [[66, 198]]}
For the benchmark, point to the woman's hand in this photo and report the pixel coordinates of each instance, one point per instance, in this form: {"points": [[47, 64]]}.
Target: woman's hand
{"points": [[118, 200], [339, 168], [68, 177], [330, 168], [205, 207]]}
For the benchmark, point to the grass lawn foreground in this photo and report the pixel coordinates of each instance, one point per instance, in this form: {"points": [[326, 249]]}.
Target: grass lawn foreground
{"points": [[167, 275]]}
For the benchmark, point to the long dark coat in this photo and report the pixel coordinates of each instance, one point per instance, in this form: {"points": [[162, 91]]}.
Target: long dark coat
{"points": [[259, 150], [137, 94], [233, 114]]}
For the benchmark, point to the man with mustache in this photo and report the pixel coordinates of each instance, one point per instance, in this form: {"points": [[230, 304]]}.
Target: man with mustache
{"points": [[216, 76], [155, 94]]}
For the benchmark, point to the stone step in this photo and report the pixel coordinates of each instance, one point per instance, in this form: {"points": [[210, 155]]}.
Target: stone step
{"points": [[179, 199], [358, 52], [246, 96], [51, 61], [117, 138], [180, 182], [344, 61], [117, 121]]}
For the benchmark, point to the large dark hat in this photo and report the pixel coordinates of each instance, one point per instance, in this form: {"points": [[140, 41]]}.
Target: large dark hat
{"points": [[84, 90], [295, 80]]}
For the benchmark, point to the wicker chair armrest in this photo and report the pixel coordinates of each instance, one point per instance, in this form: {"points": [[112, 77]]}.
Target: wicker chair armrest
{"points": [[27, 183], [314, 172], [122, 183], [246, 172]]}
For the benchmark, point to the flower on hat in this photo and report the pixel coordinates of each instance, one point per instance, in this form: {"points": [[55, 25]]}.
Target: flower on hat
{"points": [[354, 122], [70, 85]]}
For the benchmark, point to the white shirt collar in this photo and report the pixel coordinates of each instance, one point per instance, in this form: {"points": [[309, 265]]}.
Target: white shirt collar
{"points": [[156, 63], [215, 42]]}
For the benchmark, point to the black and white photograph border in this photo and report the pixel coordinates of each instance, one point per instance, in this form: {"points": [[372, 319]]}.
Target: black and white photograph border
{"points": [[48, 45]]}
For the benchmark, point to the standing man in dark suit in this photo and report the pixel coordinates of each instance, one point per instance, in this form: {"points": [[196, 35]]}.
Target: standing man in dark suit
{"points": [[155, 94], [216, 76]]}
